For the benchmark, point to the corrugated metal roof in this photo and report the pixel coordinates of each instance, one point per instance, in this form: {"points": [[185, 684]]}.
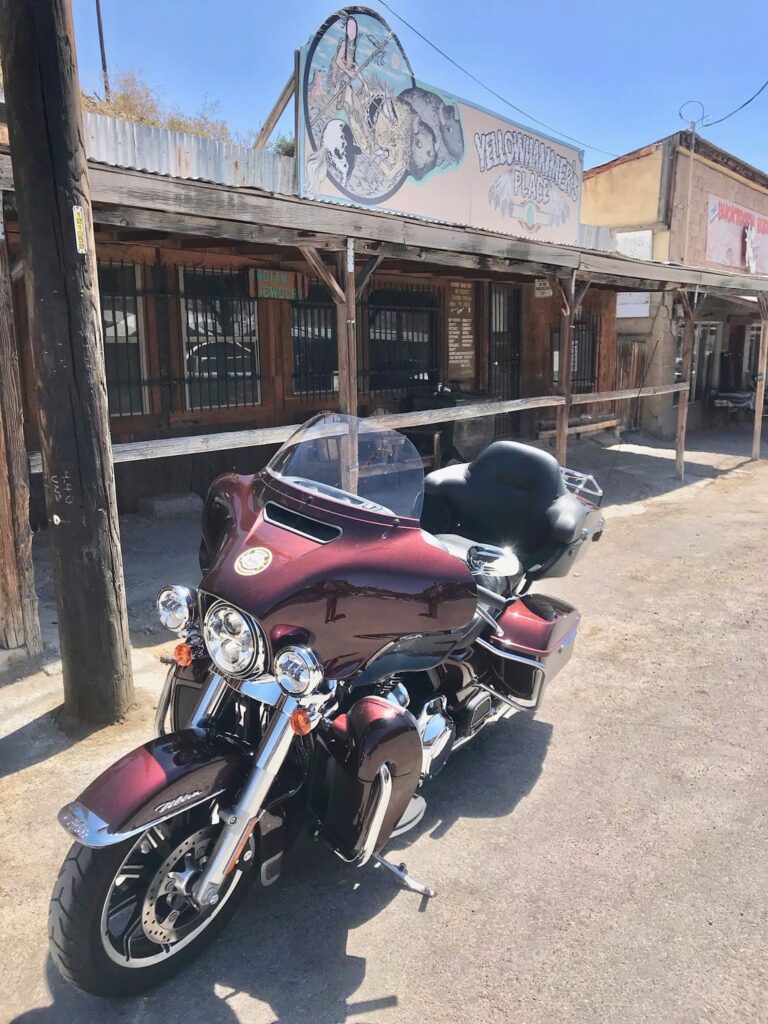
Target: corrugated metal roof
{"points": [[119, 143]]}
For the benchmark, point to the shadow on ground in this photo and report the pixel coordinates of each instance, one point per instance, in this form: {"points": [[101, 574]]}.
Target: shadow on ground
{"points": [[287, 947]]}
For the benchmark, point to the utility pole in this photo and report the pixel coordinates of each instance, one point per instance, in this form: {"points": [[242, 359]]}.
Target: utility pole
{"points": [[42, 90]]}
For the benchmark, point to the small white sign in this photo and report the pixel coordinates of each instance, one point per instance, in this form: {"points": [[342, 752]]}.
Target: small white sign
{"points": [[79, 218], [541, 288], [638, 244]]}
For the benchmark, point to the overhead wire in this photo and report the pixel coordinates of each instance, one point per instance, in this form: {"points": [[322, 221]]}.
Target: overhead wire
{"points": [[493, 92], [710, 124]]}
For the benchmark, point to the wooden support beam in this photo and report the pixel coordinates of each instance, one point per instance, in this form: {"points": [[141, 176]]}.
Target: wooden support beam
{"points": [[581, 293], [350, 310], [368, 270], [14, 486], [324, 272], [42, 89], [282, 101], [689, 328], [215, 228], [762, 362], [567, 294]]}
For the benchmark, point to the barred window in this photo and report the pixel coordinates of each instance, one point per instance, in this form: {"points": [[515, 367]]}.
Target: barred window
{"points": [[122, 321], [220, 339], [584, 342], [403, 333], [315, 351]]}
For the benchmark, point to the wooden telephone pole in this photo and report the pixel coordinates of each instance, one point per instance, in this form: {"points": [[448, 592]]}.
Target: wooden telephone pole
{"points": [[53, 200]]}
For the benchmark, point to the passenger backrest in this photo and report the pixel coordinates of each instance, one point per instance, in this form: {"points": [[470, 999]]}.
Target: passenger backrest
{"points": [[501, 498]]}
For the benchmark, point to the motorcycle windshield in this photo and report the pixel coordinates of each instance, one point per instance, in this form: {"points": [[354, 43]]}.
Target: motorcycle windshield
{"points": [[355, 462]]}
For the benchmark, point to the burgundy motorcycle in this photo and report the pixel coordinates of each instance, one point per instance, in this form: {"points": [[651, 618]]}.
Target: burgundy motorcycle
{"points": [[355, 625]]}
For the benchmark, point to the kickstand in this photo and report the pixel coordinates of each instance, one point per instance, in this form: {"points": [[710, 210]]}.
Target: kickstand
{"points": [[401, 874]]}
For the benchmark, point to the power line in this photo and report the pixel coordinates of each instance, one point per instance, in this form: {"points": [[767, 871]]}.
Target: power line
{"points": [[709, 124], [503, 99]]}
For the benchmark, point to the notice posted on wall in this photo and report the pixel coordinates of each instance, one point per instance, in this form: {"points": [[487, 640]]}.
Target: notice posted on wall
{"points": [[461, 331]]}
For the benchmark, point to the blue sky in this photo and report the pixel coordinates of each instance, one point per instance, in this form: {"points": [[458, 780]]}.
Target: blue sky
{"points": [[612, 73]]}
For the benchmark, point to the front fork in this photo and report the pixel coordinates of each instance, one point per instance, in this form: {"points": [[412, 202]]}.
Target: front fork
{"points": [[240, 820]]}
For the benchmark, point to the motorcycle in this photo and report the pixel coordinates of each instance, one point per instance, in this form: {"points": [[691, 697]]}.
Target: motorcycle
{"points": [[355, 626]]}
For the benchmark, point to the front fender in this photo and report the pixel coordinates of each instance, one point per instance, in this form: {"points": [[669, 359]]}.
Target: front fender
{"points": [[154, 782]]}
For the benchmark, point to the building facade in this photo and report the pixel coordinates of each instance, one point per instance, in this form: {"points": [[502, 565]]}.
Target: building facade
{"points": [[687, 202]]}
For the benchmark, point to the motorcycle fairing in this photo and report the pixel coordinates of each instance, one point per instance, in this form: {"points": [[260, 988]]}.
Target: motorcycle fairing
{"points": [[379, 580], [156, 781]]}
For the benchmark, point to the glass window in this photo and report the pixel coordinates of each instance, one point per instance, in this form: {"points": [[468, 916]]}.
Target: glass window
{"points": [[122, 321], [220, 337]]}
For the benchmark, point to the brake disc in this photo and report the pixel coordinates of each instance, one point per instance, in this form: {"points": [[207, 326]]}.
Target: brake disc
{"points": [[169, 913]]}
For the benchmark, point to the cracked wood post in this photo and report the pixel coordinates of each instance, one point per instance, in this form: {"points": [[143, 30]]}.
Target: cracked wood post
{"points": [[565, 293], [762, 360], [42, 94], [19, 622], [689, 328]]}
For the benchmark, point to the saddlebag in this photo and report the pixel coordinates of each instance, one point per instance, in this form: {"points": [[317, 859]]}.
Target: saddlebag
{"points": [[538, 634], [348, 757]]}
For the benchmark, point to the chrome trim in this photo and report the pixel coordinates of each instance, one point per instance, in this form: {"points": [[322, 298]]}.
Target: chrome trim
{"points": [[91, 830], [540, 681], [505, 711], [186, 594], [272, 752], [377, 818], [164, 702], [208, 702], [261, 649], [581, 483]]}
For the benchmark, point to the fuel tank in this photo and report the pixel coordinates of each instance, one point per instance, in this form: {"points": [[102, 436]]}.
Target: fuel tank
{"points": [[350, 582]]}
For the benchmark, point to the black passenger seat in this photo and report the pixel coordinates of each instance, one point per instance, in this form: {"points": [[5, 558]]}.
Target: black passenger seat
{"points": [[511, 495]]}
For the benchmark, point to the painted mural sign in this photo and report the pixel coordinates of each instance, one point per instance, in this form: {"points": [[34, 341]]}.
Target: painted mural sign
{"points": [[371, 134], [736, 236]]}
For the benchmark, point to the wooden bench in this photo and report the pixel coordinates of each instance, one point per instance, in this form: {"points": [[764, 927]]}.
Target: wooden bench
{"points": [[593, 427]]}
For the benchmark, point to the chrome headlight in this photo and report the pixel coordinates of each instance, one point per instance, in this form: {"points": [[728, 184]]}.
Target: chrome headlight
{"points": [[234, 642], [176, 607], [298, 670]]}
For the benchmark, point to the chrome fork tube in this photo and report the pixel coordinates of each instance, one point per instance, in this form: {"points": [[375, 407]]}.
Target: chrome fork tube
{"points": [[208, 702], [241, 819]]}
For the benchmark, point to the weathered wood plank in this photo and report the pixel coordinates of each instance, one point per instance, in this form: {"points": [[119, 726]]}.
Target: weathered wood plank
{"points": [[615, 396], [169, 447], [762, 365], [276, 112], [682, 409], [15, 456], [584, 428]]}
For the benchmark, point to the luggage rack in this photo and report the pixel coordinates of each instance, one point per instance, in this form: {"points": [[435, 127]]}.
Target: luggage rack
{"points": [[581, 483]]}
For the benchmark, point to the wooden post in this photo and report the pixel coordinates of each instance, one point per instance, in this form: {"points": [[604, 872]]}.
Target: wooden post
{"points": [[276, 113], [762, 360], [15, 471], [565, 292], [51, 180], [350, 311], [689, 328]]}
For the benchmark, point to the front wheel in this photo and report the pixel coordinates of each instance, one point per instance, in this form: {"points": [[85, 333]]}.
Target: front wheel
{"points": [[121, 918]]}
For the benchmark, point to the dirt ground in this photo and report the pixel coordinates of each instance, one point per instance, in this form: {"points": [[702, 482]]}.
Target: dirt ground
{"points": [[604, 862]]}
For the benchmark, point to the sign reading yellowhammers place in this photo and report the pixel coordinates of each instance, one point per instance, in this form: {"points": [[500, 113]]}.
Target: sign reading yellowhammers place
{"points": [[371, 134]]}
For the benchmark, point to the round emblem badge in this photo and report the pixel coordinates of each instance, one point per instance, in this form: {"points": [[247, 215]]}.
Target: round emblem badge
{"points": [[252, 561]]}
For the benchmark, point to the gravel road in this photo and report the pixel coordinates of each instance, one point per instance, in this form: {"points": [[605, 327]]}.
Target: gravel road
{"points": [[605, 863]]}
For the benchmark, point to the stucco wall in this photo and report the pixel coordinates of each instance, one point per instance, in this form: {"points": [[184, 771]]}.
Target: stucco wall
{"points": [[707, 178], [624, 195]]}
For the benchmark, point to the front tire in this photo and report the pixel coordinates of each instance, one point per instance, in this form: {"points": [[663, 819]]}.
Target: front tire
{"points": [[120, 921]]}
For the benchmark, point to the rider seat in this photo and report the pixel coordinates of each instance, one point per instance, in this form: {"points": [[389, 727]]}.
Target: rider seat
{"points": [[512, 495]]}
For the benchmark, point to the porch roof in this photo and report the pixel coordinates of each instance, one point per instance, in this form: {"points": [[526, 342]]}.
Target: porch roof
{"points": [[142, 200]]}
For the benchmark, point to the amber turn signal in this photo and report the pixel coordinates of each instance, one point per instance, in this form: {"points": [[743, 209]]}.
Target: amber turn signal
{"points": [[301, 723], [182, 654]]}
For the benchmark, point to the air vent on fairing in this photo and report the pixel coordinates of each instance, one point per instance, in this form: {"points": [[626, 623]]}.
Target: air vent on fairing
{"points": [[314, 529]]}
